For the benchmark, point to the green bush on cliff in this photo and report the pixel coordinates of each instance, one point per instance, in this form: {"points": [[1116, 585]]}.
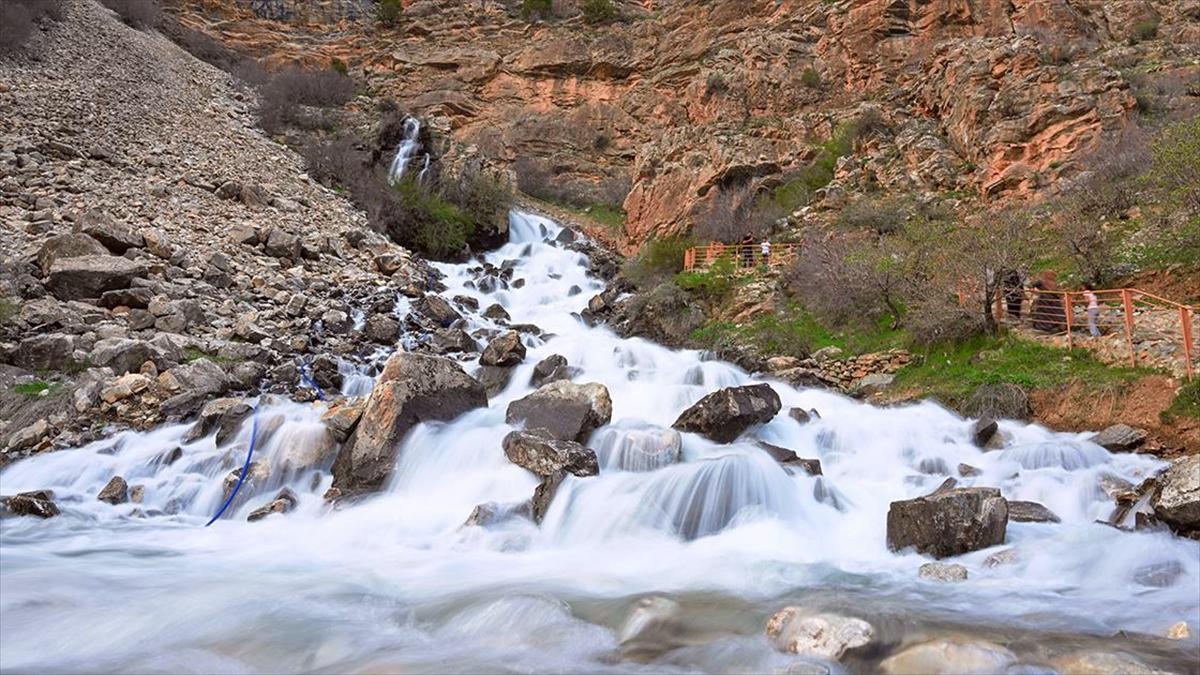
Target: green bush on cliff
{"points": [[657, 261], [598, 11], [803, 184], [536, 9], [389, 12]]}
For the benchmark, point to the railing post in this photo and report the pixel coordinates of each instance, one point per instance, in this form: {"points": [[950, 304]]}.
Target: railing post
{"points": [[1127, 302], [1067, 311], [1185, 318]]}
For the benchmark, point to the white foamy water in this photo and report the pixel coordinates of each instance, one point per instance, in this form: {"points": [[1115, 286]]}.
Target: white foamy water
{"points": [[395, 583]]}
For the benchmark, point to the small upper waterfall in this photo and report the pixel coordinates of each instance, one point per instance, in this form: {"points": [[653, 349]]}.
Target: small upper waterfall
{"points": [[395, 582], [410, 145]]}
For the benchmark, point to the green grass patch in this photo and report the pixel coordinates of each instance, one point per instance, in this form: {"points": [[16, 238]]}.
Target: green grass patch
{"points": [[191, 354], [1186, 403], [796, 332], [37, 388], [952, 372], [714, 282]]}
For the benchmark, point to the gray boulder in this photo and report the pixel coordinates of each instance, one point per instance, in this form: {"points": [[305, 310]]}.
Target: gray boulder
{"points": [[1030, 512], [383, 329], [222, 415], [127, 356], [948, 522], [983, 430], [1177, 500], [115, 237], [1120, 438], [91, 275], [435, 308], [551, 369], [541, 453], [283, 502], [73, 245], [790, 460], [567, 410], [505, 351], [723, 415], [52, 351], [412, 388]]}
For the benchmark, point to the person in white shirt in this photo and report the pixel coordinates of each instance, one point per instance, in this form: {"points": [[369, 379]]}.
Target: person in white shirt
{"points": [[766, 252], [1093, 309]]}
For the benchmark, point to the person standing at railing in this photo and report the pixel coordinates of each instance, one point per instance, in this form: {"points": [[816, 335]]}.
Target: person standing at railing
{"points": [[1093, 309], [747, 250], [765, 248]]}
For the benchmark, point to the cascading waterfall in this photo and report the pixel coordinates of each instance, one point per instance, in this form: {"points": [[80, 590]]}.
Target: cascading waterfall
{"points": [[410, 144], [395, 582]]}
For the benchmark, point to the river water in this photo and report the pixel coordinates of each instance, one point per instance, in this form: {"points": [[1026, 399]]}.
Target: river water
{"points": [[396, 583]]}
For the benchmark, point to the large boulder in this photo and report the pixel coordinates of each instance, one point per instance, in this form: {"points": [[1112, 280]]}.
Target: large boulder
{"points": [[949, 522], [505, 351], [114, 236], [1030, 512], [435, 308], [1120, 438], [222, 415], [551, 369], [65, 246], [541, 453], [127, 356], [824, 635], [48, 351], [567, 410], [412, 388], [115, 491], [89, 276], [723, 415], [1177, 501]]}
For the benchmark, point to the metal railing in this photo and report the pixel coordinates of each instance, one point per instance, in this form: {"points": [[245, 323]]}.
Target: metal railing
{"points": [[1144, 320], [748, 257]]}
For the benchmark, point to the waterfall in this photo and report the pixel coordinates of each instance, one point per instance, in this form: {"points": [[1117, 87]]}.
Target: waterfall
{"points": [[395, 582], [410, 144]]}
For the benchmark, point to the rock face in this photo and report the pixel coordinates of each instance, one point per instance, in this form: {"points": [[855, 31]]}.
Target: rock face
{"points": [[949, 522], [824, 635], [412, 388], [1120, 438], [90, 275], [505, 351], [1177, 502], [723, 415], [543, 454], [568, 411]]}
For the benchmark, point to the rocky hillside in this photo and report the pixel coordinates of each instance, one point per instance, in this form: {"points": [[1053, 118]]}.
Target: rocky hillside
{"points": [[679, 101], [157, 248]]}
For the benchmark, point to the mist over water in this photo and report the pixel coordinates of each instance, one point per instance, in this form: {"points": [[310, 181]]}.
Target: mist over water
{"points": [[396, 583]]}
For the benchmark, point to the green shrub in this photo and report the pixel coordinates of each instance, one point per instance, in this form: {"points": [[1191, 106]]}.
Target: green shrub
{"points": [[339, 66], [657, 261], [1144, 30], [810, 78], [597, 11], [536, 9], [713, 283], [441, 228], [803, 184], [389, 12]]}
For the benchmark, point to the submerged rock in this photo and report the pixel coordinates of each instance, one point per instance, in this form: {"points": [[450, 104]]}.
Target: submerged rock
{"points": [[505, 351], [541, 453], [790, 460], [949, 656], [949, 522], [723, 415], [1030, 512], [412, 388], [567, 410], [944, 572], [492, 513], [652, 627], [285, 500], [116, 491], [1102, 663], [1177, 501], [825, 635], [983, 430], [645, 448], [38, 503]]}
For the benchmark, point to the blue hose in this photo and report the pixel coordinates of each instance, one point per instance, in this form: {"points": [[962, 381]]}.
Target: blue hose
{"points": [[309, 381], [245, 469]]}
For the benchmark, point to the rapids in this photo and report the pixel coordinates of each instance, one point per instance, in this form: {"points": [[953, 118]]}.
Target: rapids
{"points": [[395, 583]]}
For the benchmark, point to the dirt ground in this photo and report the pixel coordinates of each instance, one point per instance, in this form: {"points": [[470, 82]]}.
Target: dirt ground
{"points": [[1077, 407]]}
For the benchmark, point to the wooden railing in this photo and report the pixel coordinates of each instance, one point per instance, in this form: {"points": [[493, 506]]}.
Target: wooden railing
{"points": [[1140, 315], [743, 256]]}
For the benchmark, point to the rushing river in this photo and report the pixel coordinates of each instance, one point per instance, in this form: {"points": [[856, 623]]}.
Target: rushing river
{"points": [[395, 583]]}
